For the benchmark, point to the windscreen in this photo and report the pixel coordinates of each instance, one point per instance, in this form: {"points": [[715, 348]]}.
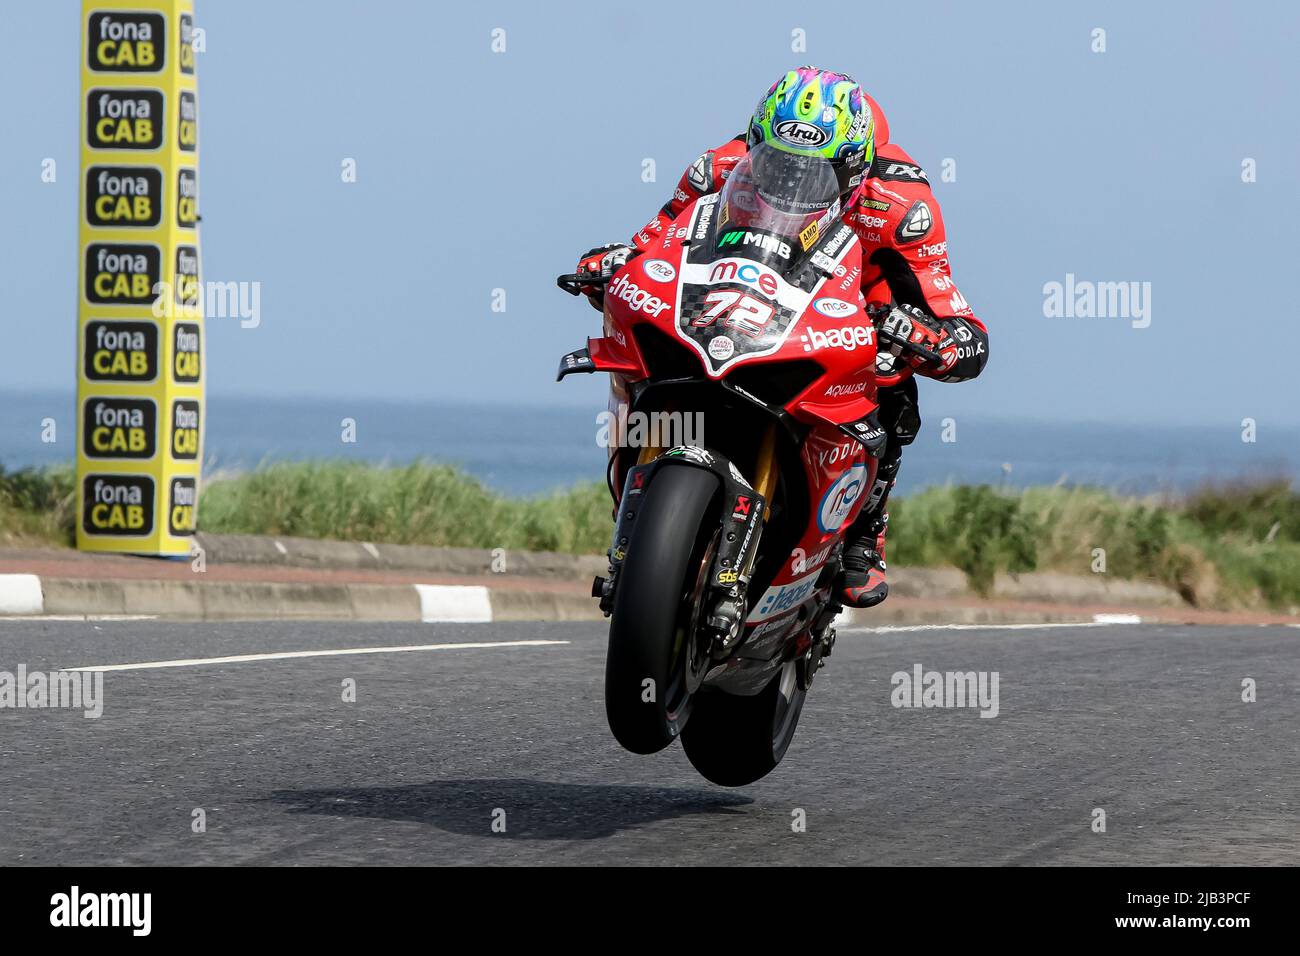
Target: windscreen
{"points": [[780, 195]]}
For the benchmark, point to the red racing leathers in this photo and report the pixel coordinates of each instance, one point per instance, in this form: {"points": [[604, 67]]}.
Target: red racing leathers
{"points": [[905, 250]]}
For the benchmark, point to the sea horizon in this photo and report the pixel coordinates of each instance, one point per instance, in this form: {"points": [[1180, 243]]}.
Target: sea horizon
{"points": [[539, 448]]}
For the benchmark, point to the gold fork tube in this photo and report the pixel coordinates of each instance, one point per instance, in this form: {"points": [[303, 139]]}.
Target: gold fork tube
{"points": [[765, 470]]}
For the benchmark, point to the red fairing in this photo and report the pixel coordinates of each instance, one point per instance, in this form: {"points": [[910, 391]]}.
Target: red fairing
{"points": [[761, 318]]}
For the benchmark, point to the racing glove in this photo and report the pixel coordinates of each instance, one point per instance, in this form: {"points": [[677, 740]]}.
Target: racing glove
{"points": [[962, 347], [603, 261]]}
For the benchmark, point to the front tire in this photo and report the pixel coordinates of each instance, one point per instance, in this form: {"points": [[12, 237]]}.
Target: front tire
{"points": [[655, 660], [735, 740]]}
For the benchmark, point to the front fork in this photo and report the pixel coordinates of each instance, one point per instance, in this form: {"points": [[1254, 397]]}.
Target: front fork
{"points": [[745, 510]]}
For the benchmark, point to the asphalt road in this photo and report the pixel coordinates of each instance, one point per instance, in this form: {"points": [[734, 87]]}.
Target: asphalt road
{"points": [[1144, 722]]}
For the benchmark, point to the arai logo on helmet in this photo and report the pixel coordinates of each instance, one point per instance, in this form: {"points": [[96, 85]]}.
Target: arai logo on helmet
{"points": [[660, 271], [834, 308], [799, 133], [721, 347]]}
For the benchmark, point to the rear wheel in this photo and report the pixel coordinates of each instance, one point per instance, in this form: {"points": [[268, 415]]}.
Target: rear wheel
{"points": [[656, 658], [736, 740]]}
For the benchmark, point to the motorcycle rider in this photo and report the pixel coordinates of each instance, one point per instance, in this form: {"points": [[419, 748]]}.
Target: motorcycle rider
{"points": [[886, 198]]}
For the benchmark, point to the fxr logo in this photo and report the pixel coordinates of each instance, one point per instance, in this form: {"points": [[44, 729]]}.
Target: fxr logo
{"points": [[742, 270]]}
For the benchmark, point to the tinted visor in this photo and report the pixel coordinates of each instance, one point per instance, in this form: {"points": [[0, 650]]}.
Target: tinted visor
{"points": [[779, 192], [794, 184]]}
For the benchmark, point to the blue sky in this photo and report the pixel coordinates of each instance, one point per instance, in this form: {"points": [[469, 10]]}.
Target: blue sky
{"points": [[481, 170]]}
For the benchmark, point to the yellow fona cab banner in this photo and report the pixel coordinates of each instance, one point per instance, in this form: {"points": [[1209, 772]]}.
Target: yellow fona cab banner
{"points": [[140, 339]]}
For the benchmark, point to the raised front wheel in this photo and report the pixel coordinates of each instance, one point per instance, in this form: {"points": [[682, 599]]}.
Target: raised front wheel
{"points": [[656, 658]]}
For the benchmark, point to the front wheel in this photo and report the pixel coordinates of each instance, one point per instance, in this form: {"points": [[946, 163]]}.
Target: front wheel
{"points": [[735, 740], [656, 657]]}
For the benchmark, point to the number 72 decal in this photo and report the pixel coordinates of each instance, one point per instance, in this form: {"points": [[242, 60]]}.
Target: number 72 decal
{"points": [[736, 310]]}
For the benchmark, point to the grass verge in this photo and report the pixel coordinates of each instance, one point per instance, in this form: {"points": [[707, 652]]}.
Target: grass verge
{"points": [[1223, 546], [36, 506]]}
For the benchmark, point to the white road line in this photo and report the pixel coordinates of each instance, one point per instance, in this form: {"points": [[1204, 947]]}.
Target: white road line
{"points": [[21, 594], [893, 628], [293, 655], [456, 603]]}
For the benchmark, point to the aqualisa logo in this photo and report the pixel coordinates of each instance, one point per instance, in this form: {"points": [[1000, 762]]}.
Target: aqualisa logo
{"points": [[843, 391]]}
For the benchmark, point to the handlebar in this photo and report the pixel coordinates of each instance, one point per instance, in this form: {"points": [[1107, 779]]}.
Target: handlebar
{"points": [[574, 282]]}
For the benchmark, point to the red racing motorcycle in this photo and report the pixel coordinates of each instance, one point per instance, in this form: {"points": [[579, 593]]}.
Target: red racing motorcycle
{"points": [[745, 318]]}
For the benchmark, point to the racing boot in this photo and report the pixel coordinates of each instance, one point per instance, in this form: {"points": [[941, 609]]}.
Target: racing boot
{"points": [[862, 572]]}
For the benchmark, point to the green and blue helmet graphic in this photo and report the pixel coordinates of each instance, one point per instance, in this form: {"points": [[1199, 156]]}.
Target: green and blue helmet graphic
{"points": [[814, 112]]}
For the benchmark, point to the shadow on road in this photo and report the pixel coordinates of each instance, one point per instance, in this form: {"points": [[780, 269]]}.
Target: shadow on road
{"points": [[534, 809]]}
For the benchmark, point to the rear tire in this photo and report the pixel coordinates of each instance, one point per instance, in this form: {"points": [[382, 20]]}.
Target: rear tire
{"points": [[655, 622], [734, 740]]}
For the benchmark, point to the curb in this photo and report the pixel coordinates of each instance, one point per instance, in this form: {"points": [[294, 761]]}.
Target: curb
{"points": [[32, 596], [27, 595], [930, 583], [20, 594]]}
